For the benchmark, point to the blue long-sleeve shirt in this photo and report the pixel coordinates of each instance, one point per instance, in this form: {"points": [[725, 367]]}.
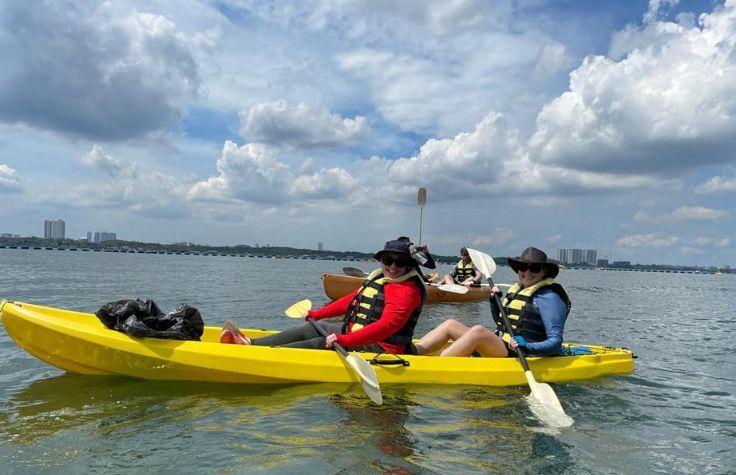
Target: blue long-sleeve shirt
{"points": [[553, 312]]}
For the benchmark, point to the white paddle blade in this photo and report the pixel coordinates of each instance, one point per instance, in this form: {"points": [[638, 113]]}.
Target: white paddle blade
{"points": [[299, 309], [354, 272], [368, 377], [485, 263], [454, 288], [545, 405]]}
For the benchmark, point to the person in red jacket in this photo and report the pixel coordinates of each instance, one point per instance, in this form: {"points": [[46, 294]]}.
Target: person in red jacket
{"points": [[380, 316]]}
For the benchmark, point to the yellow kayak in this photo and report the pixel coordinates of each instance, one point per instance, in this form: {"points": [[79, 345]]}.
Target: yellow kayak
{"points": [[79, 343]]}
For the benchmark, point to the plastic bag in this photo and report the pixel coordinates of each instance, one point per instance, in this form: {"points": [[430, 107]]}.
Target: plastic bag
{"points": [[143, 318]]}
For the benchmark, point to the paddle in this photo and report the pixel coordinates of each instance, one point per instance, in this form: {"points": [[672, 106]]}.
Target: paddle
{"points": [[421, 201], [454, 288], [354, 272], [543, 400], [368, 377]]}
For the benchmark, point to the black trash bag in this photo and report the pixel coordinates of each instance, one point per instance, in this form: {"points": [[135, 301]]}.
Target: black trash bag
{"points": [[143, 318]]}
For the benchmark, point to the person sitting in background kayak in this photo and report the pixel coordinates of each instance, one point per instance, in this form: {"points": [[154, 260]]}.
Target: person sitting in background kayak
{"points": [[537, 308], [464, 272], [423, 257], [379, 317]]}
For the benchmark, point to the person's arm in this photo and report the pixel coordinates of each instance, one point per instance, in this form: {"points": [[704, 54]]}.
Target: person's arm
{"points": [[552, 309], [430, 264], [333, 309], [401, 300], [478, 276]]}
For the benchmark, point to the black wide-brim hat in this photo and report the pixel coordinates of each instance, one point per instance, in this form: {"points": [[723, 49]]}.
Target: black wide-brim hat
{"points": [[396, 246], [532, 255]]}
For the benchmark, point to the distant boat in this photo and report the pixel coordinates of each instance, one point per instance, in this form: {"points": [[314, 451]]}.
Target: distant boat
{"points": [[718, 272]]}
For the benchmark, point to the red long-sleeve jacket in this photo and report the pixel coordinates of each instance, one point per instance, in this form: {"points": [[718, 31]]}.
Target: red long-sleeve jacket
{"points": [[402, 298]]}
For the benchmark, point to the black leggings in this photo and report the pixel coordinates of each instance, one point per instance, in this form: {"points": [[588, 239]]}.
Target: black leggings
{"points": [[306, 336]]}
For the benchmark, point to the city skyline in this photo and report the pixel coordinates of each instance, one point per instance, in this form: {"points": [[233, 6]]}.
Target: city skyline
{"points": [[571, 125]]}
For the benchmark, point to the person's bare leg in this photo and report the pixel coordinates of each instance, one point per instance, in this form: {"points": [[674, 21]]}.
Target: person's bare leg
{"points": [[441, 334], [479, 339], [448, 280]]}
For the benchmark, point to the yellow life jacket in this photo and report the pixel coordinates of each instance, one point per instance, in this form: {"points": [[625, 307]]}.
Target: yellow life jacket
{"points": [[524, 318], [463, 271], [367, 305]]}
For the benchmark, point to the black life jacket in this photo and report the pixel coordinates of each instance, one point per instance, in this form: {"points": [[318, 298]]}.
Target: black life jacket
{"points": [[524, 318], [367, 306]]}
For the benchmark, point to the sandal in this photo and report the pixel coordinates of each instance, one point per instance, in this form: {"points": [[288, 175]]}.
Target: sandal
{"points": [[231, 334]]}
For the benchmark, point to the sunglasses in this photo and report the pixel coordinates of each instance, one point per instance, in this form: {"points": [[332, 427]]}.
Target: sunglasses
{"points": [[529, 267], [400, 262]]}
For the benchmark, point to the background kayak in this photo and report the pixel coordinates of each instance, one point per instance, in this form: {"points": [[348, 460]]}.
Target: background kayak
{"points": [[338, 285]]}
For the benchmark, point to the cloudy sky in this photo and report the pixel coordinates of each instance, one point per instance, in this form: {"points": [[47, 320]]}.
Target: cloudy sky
{"points": [[596, 125]]}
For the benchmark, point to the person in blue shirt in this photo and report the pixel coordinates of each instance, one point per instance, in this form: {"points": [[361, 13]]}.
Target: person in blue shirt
{"points": [[537, 308]]}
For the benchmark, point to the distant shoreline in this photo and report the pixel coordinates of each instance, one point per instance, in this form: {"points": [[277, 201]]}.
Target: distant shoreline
{"points": [[243, 250]]}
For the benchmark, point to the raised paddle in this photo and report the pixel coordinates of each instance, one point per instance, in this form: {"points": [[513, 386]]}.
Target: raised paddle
{"points": [[543, 401], [421, 201], [354, 272], [364, 370]]}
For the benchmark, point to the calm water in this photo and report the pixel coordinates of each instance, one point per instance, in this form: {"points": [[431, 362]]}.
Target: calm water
{"points": [[675, 414]]}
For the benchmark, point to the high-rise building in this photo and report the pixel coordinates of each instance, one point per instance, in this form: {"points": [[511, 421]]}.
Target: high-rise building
{"points": [[89, 236], [55, 229], [102, 236], [320, 246], [577, 256]]}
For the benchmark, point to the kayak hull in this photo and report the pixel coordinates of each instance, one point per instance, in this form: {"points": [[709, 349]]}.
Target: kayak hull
{"points": [[337, 286], [79, 343]]}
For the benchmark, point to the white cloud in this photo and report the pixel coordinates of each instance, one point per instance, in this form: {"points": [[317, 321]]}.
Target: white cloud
{"points": [[705, 241], [697, 213], [667, 106], [250, 173], [654, 9], [97, 158], [552, 59], [468, 164], [327, 184], [498, 236], [646, 240], [303, 126], [8, 178], [553, 239], [717, 184], [683, 213], [86, 70]]}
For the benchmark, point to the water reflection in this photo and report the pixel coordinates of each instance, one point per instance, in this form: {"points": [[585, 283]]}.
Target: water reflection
{"points": [[330, 427], [69, 401]]}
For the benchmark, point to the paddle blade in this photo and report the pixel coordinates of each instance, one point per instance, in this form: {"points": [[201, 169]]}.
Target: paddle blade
{"points": [[545, 405], [368, 377], [354, 272], [422, 196], [299, 309], [454, 288], [485, 263]]}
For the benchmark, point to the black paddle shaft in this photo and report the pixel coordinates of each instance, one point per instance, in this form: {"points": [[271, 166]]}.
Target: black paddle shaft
{"points": [[506, 322], [322, 332]]}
